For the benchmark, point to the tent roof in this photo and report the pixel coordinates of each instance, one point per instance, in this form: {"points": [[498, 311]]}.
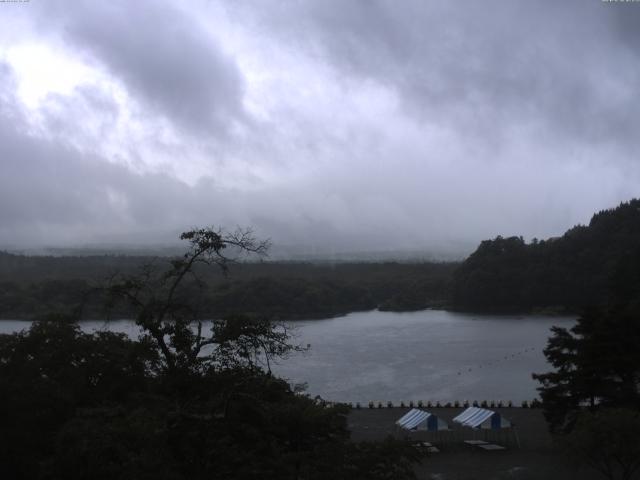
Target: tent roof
{"points": [[473, 416], [412, 419], [420, 420], [480, 417]]}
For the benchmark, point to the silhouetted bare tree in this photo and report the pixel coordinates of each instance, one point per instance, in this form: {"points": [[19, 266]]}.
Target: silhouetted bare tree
{"points": [[165, 303]]}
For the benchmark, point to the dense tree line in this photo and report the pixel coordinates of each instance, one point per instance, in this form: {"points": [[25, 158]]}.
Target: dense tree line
{"points": [[32, 286], [591, 398], [560, 274], [179, 402], [567, 273], [597, 361]]}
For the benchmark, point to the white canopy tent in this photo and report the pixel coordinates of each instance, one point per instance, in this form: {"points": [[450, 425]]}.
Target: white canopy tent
{"points": [[420, 420], [475, 417]]}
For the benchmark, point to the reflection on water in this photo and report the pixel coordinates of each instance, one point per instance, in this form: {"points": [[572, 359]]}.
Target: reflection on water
{"points": [[428, 355]]}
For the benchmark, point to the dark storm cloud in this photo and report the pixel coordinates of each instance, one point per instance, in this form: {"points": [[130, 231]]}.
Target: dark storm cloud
{"points": [[342, 125], [47, 188], [50, 193], [75, 116], [484, 67], [8, 109], [626, 24], [166, 59], [53, 194]]}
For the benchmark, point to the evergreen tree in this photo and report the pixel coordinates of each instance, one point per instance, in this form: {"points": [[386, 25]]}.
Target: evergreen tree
{"points": [[597, 362]]}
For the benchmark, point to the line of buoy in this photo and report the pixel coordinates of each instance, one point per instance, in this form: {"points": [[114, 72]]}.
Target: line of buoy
{"points": [[506, 357]]}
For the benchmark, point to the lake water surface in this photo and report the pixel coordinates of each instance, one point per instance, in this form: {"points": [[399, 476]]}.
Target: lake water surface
{"points": [[428, 355]]}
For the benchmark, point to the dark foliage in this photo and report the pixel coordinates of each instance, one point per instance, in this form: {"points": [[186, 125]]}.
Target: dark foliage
{"points": [[79, 406], [50, 373], [566, 273], [592, 397], [33, 286], [597, 362], [184, 401], [607, 441]]}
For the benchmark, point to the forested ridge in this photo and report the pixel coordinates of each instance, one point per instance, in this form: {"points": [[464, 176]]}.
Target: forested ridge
{"points": [[504, 274], [31, 286], [565, 273]]}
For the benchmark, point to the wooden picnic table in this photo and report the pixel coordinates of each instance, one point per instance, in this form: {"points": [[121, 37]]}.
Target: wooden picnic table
{"points": [[481, 444], [428, 446], [490, 446], [475, 443]]}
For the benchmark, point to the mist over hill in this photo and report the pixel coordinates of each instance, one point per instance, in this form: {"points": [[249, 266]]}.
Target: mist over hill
{"points": [[562, 273], [278, 252]]}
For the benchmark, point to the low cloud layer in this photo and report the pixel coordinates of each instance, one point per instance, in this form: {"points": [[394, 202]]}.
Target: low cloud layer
{"points": [[337, 126]]}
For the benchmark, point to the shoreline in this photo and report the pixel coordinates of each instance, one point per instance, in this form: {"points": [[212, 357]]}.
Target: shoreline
{"points": [[542, 312]]}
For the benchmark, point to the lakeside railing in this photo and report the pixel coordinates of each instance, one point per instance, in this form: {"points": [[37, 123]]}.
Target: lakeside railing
{"points": [[535, 403]]}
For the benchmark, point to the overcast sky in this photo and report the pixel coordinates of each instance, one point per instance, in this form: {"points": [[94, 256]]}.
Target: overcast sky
{"points": [[333, 124]]}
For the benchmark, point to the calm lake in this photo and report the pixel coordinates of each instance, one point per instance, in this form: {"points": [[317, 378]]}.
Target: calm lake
{"points": [[428, 355]]}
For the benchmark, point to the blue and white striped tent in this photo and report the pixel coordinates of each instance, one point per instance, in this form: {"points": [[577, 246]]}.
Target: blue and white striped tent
{"points": [[420, 420], [475, 417]]}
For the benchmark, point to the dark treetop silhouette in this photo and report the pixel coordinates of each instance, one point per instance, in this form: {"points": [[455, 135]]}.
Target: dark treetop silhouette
{"points": [[177, 403]]}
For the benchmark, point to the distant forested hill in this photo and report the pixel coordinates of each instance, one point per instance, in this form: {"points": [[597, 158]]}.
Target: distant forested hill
{"points": [[569, 272], [565, 273], [32, 286]]}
